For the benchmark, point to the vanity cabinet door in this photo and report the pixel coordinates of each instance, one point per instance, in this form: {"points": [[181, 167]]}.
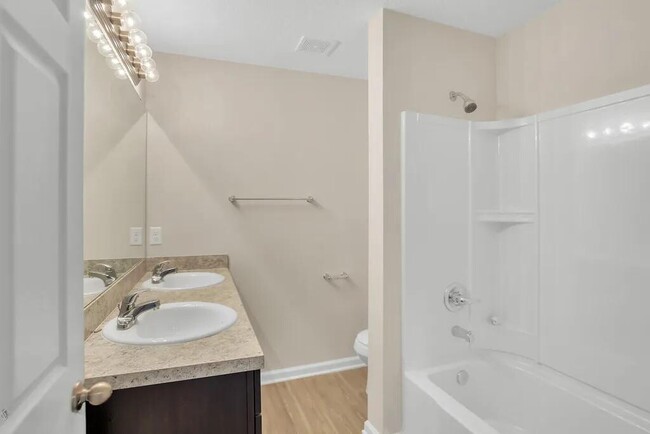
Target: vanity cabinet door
{"points": [[226, 404]]}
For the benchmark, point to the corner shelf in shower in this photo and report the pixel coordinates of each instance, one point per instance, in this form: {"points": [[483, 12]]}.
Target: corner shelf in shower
{"points": [[506, 217]]}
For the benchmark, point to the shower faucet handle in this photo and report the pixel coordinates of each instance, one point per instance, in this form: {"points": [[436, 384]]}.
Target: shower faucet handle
{"points": [[462, 301], [456, 297]]}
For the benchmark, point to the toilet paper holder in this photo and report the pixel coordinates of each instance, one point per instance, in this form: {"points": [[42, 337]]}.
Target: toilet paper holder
{"points": [[341, 276]]}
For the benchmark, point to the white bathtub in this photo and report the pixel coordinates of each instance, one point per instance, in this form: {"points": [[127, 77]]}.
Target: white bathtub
{"points": [[506, 394]]}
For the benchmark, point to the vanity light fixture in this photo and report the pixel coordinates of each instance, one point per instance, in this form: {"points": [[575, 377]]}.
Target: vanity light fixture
{"points": [[114, 28]]}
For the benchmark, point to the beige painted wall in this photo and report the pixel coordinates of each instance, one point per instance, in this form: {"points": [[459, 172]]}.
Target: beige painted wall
{"points": [[115, 146], [576, 51], [218, 129], [413, 65]]}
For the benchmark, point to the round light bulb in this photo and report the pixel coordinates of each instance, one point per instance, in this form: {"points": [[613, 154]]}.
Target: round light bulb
{"points": [[120, 5], [148, 65], [130, 20], [121, 74], [94, 32], [137, 37], [152, 76], [143, 52], [113, 62], [105, 49]]}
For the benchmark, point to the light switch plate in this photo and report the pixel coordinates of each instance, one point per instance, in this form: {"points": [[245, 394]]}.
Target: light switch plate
{"points": [[135, 236], [155, 235]]}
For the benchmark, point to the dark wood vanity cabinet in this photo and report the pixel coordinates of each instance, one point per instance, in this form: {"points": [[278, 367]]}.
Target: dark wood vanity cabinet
{"points": [[226, 404]]}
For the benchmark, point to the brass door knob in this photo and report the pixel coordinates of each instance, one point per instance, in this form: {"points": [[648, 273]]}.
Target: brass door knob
{"points": [[96, 395]]}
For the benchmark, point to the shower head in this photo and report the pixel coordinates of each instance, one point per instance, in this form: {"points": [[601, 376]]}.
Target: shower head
{"points": [[468, 104]]}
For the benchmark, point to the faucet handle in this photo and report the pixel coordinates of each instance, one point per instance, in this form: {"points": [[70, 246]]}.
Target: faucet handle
{"points": [[463, 301], [455, 297], [160, 266], [128, 302]]}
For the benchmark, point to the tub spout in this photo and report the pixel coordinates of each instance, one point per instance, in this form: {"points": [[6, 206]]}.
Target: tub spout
{"points": [[462, 333]]}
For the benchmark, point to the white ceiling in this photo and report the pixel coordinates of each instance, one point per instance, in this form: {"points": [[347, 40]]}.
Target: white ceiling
{"points": [[266, 32]]}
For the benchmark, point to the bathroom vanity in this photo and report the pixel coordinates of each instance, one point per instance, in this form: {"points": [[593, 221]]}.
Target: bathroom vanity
{"points": [[209, 385]]}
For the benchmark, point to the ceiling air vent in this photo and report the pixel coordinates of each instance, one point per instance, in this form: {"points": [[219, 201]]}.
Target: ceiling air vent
{"points": [[317, 46]]}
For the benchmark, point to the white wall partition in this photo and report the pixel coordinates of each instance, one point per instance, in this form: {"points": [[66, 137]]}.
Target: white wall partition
{"points": [[545, 220]]}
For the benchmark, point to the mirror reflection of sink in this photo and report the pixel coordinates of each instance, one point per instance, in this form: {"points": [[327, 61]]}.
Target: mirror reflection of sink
{"points": [[93, 286], [173, 323], [184, 281]]}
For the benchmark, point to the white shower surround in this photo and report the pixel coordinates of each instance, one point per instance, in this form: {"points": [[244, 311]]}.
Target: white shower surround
{"points": [[544, 220]]}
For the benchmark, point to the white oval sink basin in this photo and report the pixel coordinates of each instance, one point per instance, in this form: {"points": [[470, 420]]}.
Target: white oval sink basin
{"points": [[184, 281], [173, 323], [93, 286]]}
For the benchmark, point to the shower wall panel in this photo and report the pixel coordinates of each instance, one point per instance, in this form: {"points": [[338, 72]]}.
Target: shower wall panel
{"points": [[505, 236], [435, 231], [595, 248], [546, 220]]}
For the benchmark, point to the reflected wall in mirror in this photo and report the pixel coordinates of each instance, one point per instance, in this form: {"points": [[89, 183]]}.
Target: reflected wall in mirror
{"points": [[115, 140]]}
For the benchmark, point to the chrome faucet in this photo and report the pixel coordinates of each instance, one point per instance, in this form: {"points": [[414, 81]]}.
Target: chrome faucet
{"points": [[160, 271], [462, 333], [104, 272], [129, 311]]}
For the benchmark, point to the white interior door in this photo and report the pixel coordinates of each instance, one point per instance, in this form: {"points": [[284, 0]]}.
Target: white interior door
{"points": [[41, 175]]}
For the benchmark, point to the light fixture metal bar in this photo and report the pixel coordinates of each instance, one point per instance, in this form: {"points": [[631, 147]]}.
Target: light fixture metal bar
{"points": [[104, 18]]}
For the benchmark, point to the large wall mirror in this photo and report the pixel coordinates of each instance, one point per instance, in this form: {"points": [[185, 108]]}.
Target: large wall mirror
{"points": [[115, 142]]}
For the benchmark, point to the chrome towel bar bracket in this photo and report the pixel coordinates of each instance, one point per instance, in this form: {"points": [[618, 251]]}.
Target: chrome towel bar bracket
{"points": [[235, 199]]}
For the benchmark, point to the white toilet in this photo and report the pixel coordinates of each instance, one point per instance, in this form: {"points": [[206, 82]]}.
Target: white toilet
{"points": [[361, 346]]}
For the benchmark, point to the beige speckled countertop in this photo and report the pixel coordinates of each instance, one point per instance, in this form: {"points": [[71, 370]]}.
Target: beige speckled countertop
{"points": [[233, 350]]}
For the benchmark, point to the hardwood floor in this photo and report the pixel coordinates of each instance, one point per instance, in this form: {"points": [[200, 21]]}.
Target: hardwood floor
{"points": [[326, 404]]}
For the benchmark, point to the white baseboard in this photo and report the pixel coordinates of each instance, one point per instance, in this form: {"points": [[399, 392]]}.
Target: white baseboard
{"points": [[369, 429], [279, 375]]}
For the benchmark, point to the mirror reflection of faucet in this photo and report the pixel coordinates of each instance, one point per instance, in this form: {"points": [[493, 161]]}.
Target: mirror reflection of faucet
{"points": [[104, 272]]}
